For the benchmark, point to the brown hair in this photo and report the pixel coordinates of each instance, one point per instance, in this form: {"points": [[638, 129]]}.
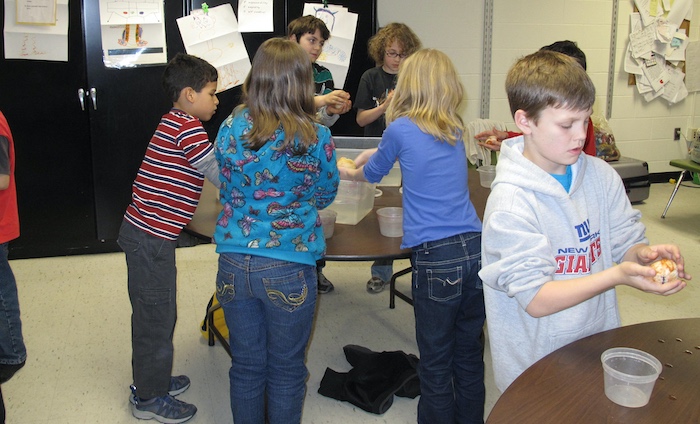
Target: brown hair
{"points": [[394, 31], [429, 92], [279, 91], [307, 25], [546, 78]]}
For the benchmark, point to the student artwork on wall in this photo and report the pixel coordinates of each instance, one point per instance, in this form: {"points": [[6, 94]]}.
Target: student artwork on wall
{"points": [[656, 53], [337, 50], [255, 16], [36, 31], [133, 33], [36, 12], [213, 35]]}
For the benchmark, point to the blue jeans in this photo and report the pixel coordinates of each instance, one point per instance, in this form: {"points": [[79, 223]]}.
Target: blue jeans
{"points": [[12, 349], [448, 305], [152, 281], [269, 307], [383, 268]]}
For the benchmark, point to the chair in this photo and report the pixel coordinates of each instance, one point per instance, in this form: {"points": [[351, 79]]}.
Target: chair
{"points": [[214, 325], [686, 165]]}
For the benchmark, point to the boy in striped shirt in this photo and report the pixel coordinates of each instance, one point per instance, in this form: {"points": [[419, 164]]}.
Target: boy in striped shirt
{"points": [[165, 195]]}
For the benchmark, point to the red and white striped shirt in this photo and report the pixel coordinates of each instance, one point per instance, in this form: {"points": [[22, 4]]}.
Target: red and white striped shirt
{"points": [[167, 187]]}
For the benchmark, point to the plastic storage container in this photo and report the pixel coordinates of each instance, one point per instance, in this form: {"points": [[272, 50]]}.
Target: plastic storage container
{"points": [[393, 178], [390, 221], [630, 375], [353, 202]]}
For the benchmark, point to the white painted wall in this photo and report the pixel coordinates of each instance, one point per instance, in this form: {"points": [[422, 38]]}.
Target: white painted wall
{"points": [[642, 130]]}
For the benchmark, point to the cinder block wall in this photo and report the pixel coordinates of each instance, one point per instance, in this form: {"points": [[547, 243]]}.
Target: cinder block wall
{"points": [[642, 130]]}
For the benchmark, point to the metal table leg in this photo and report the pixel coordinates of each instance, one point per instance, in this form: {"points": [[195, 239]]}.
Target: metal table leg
{"points": [[393, 292], [675, 189]]}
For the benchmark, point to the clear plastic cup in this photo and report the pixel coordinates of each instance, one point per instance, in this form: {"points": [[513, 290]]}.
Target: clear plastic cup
{"points": [[486, 175], [630, 375], [390, 221], [328, 218]]}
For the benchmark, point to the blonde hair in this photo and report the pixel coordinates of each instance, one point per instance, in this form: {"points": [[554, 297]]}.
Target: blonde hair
{"points": [[547, 78], [401, 33], [279, 91], [428, 92]]}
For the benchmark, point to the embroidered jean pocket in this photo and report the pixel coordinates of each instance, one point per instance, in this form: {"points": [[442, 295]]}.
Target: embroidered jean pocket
{"points": [[287, 292], [444, 284], [225, 292]]}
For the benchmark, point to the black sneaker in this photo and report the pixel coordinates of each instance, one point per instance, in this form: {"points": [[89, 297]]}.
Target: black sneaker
{"points": [[324, 286], [165, 409], [375, 285]]}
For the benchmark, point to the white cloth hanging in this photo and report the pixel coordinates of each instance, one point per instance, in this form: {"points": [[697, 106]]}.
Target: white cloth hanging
{"points": [[474, 151]]}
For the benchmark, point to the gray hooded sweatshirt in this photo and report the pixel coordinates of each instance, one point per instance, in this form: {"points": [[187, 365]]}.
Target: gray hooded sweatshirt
{"points": [[535, 232]]}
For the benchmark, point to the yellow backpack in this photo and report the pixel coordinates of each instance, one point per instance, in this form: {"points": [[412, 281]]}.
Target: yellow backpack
{"points": [[218, 320]]}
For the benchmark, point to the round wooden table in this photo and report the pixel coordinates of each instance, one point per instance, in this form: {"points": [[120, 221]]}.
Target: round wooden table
{"points": [[566, 386]]}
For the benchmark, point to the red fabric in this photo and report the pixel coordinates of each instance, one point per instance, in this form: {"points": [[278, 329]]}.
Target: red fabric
{"points": [[589, 147], [9, 218]]}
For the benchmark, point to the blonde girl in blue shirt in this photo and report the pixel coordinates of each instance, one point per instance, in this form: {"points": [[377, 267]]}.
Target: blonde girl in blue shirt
{"points": [[440, 224]]}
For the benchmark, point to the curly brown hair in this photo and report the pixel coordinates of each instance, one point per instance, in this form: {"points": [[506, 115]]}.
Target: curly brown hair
{"points": [[386, 35]]}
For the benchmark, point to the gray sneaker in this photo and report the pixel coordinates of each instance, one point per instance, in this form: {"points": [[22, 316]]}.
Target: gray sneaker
{"points": [[375, 285], [324, 286], [165, 409], [178, 384]]}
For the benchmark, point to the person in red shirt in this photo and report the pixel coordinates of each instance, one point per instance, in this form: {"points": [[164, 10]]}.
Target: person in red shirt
{"points": [[569, 48], [13, 352]]}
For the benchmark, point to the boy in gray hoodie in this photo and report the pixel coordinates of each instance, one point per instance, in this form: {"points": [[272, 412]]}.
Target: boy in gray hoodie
{"points": [[559, 232]]}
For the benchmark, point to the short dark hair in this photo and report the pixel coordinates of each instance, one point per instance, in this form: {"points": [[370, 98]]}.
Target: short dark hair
{"points": [[569, 48], [307, 25], [184, 71]]}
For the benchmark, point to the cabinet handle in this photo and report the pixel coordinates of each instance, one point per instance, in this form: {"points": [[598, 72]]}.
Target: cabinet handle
{"points": [[93, 96], [81, 98]]}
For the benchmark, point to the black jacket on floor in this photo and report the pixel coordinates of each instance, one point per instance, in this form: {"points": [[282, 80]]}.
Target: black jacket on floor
{"points": [[374, 379]]}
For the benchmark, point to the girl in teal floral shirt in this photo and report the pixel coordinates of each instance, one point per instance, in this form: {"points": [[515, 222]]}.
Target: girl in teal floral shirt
{"points": [[278, 167]]}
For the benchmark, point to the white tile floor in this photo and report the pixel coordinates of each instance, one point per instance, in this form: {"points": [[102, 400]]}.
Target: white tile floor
{"points": [[76, 314]]}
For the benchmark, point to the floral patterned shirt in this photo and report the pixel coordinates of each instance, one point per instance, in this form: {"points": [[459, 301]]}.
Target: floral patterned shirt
{"points": [[271, 196]]}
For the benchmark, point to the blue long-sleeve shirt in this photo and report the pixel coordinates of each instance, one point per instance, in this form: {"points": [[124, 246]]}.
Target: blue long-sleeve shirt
{"points": [[436, 200]]}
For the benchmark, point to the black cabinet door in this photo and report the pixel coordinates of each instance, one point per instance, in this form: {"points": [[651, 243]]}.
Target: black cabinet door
{"points": [[53, 158], [130, 103]]}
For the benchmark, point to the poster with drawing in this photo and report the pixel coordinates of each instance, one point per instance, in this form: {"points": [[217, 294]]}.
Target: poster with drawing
{"points": [[214, 37], [133, 33], [337, 51], [36, 42]]}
